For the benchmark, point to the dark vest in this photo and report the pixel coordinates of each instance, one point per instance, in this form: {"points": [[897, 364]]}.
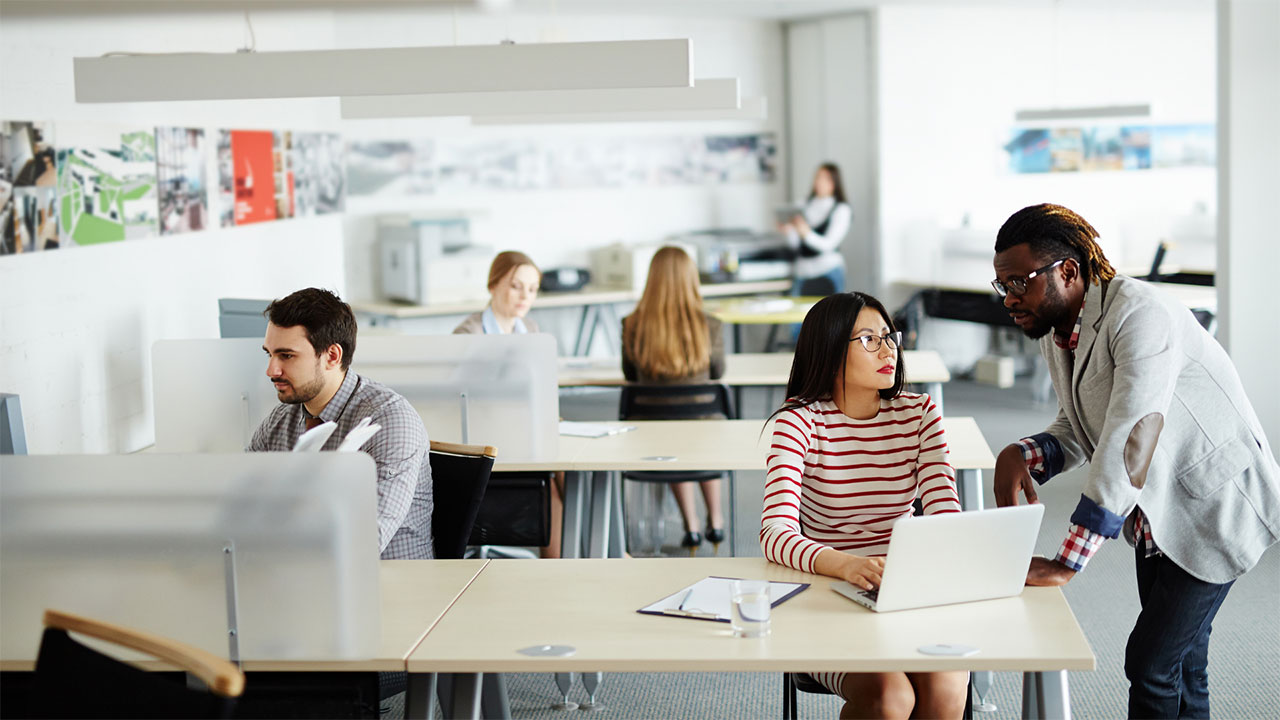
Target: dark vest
{"points": [[806, 251]]}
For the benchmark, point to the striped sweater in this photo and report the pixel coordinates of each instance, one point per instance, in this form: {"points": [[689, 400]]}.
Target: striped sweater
{"points": [[834, 481]]}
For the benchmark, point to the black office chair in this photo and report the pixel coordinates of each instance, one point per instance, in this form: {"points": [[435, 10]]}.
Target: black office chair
{"points": [[1154, 274], [72, 680], [515, 514], [710, 401], [459, 479]]}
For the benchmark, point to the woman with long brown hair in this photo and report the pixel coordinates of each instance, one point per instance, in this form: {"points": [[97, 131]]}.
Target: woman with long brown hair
{"points": [[670, 339]]}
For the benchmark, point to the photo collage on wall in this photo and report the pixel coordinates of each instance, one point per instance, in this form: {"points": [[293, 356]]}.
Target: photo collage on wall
{"points": [[1110, 147], [102, 184], [420, 166]]}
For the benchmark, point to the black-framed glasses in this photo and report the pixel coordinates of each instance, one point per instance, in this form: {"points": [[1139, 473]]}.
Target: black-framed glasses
{"points": [[1017, 286], [872, 343]]}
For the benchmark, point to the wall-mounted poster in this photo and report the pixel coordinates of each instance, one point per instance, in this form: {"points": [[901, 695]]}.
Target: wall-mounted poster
{"points": [[226, 181], [741, 158], [1184, 146], [1028, 151], [1135, 142], [106, 184], [1103, 148], [180, 175], [282, 171], [391, 167], [253, 176], [319, 183], [28, 188], [1066, 149]]}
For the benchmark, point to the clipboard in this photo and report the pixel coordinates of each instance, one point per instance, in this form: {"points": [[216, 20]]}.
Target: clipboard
{"points": [[711, 599]]}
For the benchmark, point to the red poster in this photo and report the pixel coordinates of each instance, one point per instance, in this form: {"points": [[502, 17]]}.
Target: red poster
{"points": [[254, 177]]}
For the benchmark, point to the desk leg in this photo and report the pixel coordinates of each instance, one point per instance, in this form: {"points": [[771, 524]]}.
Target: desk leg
{"points": [[586, 326], [420, 696], [970, 489], [464, 701], [934, 390], [601, 515], [617, 525], [737, 337], [1045, 696], [571, 529], [607, 318], [494, 704]]}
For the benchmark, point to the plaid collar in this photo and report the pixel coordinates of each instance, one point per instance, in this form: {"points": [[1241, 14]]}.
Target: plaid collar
{"points": [[338, 403], [1071, 342]]}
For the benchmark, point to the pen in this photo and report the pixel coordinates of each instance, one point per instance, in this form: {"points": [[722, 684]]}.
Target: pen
{"points": [[685, 600]]}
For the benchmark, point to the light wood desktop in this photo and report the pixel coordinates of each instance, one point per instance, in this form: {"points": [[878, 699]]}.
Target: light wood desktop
{"points": [[596, 303], [924, 367], [414, 596], [727, 445], [817, 630]]}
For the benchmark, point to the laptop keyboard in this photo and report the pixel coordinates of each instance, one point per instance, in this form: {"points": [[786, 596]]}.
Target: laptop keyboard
{"points": [[871, 594]]}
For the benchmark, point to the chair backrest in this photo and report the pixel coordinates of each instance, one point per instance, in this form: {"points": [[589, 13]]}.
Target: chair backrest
{"points": [[459, 478], [13, 437], [675, 402], [818, 287], [1156, 262], [72, 680]]}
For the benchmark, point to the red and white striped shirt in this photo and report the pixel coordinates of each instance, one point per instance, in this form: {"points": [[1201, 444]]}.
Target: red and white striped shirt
{"points": [[837, 482]]}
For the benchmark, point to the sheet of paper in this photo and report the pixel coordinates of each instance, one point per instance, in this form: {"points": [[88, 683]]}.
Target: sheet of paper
{"points": [[359, 435], [714, 596], [314, 439], [591, 430]]}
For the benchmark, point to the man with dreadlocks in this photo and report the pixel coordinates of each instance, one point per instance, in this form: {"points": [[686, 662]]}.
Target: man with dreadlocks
{"points": [[1177, 458]]}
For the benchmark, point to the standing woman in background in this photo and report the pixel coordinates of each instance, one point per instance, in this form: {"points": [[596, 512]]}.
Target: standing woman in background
{"points": [[815, 235], [513, 285], [670, 339]]}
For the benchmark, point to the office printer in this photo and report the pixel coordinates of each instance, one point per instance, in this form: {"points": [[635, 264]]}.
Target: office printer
{"points": [[739, 255], [431, 260]]}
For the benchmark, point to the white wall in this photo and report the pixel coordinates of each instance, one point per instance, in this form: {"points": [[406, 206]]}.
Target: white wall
{"points": [[951, 79], [558, 227], [1249, 187], [76, 325]]}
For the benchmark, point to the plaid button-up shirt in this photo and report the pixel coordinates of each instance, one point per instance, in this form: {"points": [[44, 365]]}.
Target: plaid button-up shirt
{"points": [[399, 449]]}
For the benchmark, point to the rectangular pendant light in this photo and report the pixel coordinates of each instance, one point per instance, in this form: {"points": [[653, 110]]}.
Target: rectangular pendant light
{"points": [[753, 109], [386, 71], [706, 94], [1084, 113]]}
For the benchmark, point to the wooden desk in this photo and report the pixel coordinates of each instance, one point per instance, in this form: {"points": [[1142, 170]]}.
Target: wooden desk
{"points": [[727, 445], [924, 367], [816, 630], [414, 594], [777, 310], [596, 302]]}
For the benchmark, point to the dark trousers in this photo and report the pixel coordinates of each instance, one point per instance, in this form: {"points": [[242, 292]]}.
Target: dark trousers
{"points": [[1167, 658]]}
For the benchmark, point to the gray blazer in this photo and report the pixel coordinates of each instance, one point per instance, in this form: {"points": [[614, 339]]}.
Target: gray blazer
{"points": [[1155, 406]]}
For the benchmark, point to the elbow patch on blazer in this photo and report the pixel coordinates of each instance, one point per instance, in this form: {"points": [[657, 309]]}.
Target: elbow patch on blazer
{"points": [[1140, 446]]}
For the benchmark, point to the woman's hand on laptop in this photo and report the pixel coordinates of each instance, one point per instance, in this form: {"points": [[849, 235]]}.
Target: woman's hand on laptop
{"points": [[1046, 572], [862, 572], [1011, 476]]}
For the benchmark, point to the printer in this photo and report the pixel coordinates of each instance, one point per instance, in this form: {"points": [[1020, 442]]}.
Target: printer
{"points": [[739, 255], [431, 260]]}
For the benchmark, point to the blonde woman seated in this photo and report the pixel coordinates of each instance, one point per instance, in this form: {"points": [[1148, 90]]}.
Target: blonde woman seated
{"points": [[851, 452], [669, 339], [513, 286]]}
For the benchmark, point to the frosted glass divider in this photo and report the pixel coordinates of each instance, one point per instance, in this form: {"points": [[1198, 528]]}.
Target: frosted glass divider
{"points": [[138, 540]]}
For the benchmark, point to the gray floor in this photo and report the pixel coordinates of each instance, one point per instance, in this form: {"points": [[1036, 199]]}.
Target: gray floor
{"points": [[1244, 654]]}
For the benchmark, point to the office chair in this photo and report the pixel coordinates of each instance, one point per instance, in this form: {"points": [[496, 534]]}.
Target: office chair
{"points": [[1154, 274], [73, 680], [459, 479], [515, 515], [13, 436], [676, 402]]}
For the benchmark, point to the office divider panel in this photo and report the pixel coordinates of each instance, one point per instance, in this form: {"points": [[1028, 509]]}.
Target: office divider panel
{"points": [[140, 540], [211, 395], [13, 436]]}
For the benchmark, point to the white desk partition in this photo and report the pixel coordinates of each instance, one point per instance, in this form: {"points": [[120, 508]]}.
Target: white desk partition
{"points": [[211, 395], [141, 540]]}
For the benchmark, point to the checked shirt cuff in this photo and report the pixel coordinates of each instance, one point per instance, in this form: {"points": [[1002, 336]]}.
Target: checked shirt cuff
{"points": [[1080, 545]]}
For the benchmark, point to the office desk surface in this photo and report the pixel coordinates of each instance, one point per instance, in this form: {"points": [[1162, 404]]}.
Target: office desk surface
{"points": [[591, 605], [589, 295], [710, 445], [762, 311], [741, 369], [415, 594]]}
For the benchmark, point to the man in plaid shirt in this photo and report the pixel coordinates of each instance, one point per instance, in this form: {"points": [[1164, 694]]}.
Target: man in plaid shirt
{"points": [[1178, 461], [310, 342]]}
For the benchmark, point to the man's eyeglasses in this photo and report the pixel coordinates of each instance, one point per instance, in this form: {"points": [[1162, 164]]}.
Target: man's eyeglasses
{"points": [[871, 343], [1017, 286]]}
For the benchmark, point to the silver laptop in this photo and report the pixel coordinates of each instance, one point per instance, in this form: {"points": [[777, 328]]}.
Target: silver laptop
{"points": [[953, 558]]}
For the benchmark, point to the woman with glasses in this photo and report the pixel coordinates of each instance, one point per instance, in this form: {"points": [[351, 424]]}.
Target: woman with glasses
{"points": [[851, 454]]}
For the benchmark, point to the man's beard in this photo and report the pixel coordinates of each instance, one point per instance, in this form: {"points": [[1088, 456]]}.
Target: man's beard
{"points": [[1053, 310], [304, 394]]}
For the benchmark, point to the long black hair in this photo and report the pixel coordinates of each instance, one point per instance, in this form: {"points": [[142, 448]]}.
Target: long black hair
{"points": [[823, 345]]}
